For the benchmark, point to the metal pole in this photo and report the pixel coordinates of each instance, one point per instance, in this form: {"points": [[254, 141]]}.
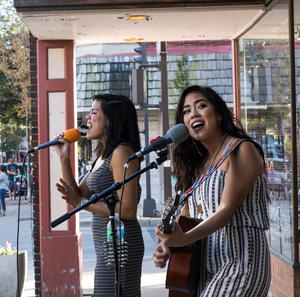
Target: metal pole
{"points": [[294, 130], [165, 114], [236, 79], [147, 158], [28, 161], [149, 204]]}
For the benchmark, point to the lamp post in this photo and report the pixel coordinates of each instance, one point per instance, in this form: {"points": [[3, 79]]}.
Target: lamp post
{"points": [[149, 205]]}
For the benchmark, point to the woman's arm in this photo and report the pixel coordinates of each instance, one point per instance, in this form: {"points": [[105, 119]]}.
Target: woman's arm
{"points": [[130, 196], [68, 186], [245, 165]]}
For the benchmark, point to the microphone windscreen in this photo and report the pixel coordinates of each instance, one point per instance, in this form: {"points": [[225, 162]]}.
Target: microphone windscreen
{"points": [[178, 133], [72, 135]]}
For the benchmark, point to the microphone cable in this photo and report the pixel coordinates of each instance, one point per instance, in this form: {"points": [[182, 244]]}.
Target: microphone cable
{"points": [[18, 224]]}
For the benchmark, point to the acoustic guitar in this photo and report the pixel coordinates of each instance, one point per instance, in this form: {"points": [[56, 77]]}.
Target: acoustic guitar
{"points": [[183, 270]]}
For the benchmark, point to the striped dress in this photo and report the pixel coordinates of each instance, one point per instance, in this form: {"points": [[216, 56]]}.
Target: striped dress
{"points": [[236, 258], [104, 285]]}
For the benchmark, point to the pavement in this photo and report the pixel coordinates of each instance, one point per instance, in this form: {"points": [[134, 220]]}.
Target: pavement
{"points": [[153, 279]]}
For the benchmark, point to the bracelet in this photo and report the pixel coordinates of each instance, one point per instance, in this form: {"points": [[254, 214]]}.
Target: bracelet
{"points": [[83, 200], [80, 203]]}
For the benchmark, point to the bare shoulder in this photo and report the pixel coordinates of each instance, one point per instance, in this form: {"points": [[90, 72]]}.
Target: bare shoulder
{"points": [[122, 151], [248, 148], [248, 155], [120, 155]]}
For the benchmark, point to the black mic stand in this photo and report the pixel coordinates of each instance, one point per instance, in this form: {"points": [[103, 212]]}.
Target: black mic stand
{"points": [[110, 199], [111, 202]]}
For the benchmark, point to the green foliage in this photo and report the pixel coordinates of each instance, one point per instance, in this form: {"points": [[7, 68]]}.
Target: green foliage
{"points": [[11, 137], [8, 103], [14, 78], [182, 78], [14, 58]]}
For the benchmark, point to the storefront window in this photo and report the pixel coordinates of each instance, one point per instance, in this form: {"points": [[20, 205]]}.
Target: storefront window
{"points": [[266, 115]]}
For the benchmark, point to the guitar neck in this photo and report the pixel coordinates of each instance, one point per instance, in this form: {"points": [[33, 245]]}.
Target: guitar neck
{"points": [[169, 219]]}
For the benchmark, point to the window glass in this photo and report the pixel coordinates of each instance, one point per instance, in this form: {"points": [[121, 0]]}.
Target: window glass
{"points": [[266, 116]]}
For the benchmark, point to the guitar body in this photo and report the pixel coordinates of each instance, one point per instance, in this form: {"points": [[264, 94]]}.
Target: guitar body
{"points": [[184, 264]]}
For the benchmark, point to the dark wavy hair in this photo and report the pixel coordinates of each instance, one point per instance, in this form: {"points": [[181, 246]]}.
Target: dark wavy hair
{"points": [[122, 128], [187, 162]]}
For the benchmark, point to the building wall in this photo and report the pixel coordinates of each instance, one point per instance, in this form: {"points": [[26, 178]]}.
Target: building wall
{"points": [[209, 64], [35, 166]]}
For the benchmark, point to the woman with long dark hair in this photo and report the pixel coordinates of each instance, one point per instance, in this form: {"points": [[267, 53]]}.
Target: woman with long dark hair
{"points": [[112, 121], [222, 168], [3, 189]]}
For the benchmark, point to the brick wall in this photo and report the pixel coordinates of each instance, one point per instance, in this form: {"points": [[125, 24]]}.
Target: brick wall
{"points": [[35, 168], [285, 279]]}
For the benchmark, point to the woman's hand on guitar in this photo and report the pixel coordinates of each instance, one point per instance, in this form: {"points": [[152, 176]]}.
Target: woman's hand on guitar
{"points": [[161, 256], [175, 239]]}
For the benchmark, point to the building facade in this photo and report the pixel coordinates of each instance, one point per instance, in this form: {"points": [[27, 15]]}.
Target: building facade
{"points": [[261, 87]]}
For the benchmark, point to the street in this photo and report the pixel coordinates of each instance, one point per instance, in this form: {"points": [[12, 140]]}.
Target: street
{"points": [[152, 278]]}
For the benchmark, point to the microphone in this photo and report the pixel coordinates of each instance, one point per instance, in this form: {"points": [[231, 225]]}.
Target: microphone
{"points": [[176, 134], [71, 135]]}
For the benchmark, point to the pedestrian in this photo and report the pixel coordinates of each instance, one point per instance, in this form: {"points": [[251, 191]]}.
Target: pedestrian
{"points": [[11, 169], [222, 168], [20, 180], [112, 121], [3, 189]]}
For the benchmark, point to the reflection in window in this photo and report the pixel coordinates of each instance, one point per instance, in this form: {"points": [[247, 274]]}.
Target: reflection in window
{"points": [[265, 114]]}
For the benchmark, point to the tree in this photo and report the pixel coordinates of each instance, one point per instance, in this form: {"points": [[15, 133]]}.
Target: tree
{"points": [[14, 77], [182, 78]]}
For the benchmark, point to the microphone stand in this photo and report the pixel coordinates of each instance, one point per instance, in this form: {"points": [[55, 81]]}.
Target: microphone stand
{"points": [[111, 202], [109, 197]]}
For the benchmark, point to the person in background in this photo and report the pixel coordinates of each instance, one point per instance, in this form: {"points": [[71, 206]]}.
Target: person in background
{"points": [[3, 189], [222, 168], [20, 180], [11, 169], [112, 121]]}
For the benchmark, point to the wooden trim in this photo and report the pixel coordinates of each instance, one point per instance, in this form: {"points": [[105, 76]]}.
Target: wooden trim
{"points": [[268, 7], [45, 5], [44, 87], [236, 79], [64, 246]]}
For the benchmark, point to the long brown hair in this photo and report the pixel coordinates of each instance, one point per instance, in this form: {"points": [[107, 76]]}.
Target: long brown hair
{"points": [[122, 128], [188, 157]]}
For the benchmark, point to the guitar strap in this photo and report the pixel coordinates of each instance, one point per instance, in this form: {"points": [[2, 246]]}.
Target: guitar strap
{"points": [[230, 147]]}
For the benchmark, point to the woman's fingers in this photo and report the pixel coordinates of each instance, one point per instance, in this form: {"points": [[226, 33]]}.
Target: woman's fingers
{"points": [[175, 238], [160, 255]]}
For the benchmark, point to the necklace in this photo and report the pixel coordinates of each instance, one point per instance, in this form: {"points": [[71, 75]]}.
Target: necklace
{"points": [[195, 145], [217, 151]]}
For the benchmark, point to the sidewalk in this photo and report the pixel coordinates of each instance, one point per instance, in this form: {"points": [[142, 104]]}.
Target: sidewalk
{"points": [[153, 279]]}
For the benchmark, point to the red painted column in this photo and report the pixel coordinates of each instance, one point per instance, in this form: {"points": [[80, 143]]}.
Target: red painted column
{"points": [[60, 248]]}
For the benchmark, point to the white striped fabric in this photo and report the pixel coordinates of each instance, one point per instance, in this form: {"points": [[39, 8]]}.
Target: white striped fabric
{"points": [[236, 258], [104, 285]]}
